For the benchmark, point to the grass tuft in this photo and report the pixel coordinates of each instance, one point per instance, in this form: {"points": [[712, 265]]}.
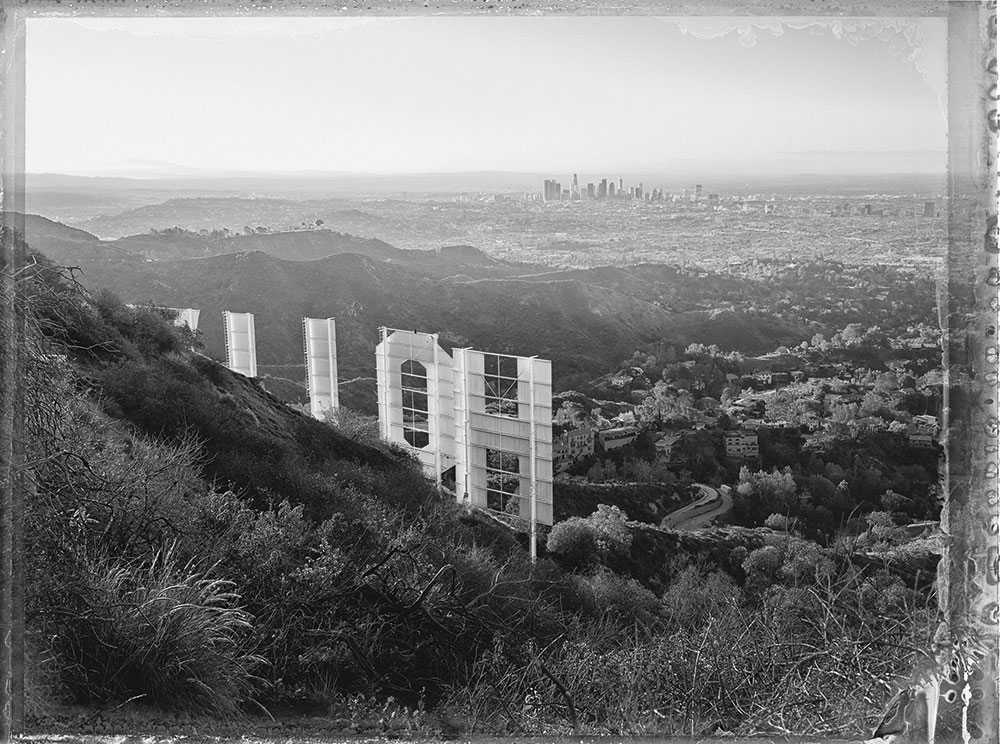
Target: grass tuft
{"points": [[166, 634]]}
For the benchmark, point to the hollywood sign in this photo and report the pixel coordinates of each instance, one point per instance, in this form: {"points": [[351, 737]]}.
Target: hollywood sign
{"points": [[320, 349], [481, 418], [478, 420]]}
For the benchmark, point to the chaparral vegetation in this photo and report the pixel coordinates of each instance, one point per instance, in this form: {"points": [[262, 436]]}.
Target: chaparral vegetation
{"points": [[198, 545]]}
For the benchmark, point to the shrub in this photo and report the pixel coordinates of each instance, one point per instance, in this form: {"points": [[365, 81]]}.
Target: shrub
{"points": [[619, 597], [574, 544], [695, 596], [610, 525], [167, 634], [354, 425]]}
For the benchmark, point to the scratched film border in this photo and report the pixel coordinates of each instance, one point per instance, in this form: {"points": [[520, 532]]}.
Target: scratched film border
{"points": [[969, 573]]}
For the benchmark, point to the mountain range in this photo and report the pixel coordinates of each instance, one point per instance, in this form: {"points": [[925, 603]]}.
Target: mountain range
{"points": [[585, 321]]}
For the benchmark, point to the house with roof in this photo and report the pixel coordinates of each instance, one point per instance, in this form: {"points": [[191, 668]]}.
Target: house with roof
{"points": [[741, 444], [571, 446], [617, 437], [666, 446]]}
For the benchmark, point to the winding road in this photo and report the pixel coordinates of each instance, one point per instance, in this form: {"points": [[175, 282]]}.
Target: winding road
{"points": [[700, 513]]}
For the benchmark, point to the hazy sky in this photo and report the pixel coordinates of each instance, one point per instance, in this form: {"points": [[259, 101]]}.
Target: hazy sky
{"points": [[539, 94]]}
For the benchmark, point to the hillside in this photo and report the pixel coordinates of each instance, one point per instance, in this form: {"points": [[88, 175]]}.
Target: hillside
{"points": [[168, 451], [585, 322], [68, 245], [197, 545], [65, 244]]}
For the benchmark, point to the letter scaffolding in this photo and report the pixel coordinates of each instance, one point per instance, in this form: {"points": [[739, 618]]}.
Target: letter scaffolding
{"points": [[320, 341], [241, 343], [481, 420]]}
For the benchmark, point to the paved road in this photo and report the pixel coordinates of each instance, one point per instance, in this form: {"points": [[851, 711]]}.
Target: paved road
{"points": [[700, 514]]}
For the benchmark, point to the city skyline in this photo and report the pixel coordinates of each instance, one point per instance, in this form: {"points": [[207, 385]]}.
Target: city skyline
{"points": [[430, 94]]}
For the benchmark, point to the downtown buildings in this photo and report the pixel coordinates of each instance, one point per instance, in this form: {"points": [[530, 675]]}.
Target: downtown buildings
{"points": [[552, 190]]}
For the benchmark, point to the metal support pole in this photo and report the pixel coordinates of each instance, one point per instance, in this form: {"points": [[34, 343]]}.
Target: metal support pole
{"points": [[533, 454], [383, 384], [462, 358], [331, 324], [313, 407], [435, 379]]}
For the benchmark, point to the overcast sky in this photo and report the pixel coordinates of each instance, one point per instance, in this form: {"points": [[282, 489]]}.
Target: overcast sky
{"points": [[417, 94]]}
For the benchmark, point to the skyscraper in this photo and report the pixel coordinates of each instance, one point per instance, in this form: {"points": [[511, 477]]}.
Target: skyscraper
{"points": [[575, 189], [553, 190], [602, 191]]}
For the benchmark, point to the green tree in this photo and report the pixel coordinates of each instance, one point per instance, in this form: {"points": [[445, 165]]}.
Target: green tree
{"points": [[763, 493]]}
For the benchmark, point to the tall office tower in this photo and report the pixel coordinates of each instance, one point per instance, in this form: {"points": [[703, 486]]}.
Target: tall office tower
{"points": [[320, 337], [611, 189], [575, 188], [551, 190], [697, 191], [602, 190], [930, 209], [591, 193], [638, 191], [241, 343], [684, 194], [621, 186]]}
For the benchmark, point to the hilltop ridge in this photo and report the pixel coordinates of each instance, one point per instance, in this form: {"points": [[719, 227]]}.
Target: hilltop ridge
{"points": [[584, 321]]}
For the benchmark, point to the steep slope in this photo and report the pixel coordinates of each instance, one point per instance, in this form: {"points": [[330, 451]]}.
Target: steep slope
{"points": [[67, 245]]}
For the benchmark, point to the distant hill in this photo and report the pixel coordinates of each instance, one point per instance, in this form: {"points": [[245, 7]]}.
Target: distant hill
{"points": [[68, 245], [232, 212], [585, 321], [304, 245], [582, 328], [63, 243]]}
